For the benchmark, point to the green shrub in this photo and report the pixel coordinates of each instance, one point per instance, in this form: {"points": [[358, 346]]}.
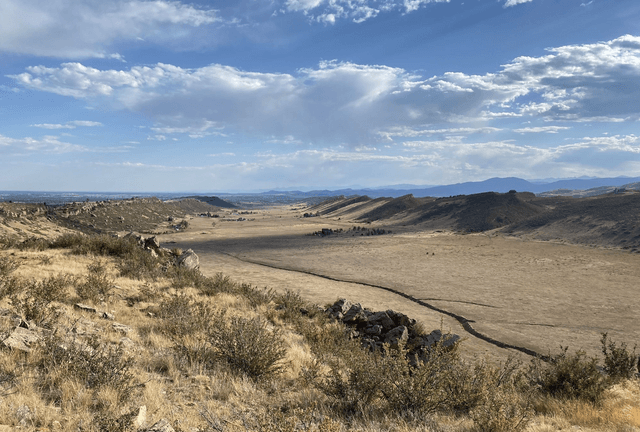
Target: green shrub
{"points": [[569, 376], [248, 346], [619, 363]]}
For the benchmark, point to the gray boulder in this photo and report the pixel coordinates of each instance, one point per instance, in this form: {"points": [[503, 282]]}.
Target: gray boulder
{"points": [[397, 335], [381, 318], [339, 308], [189, 260], [21, 339], [355, 315]]}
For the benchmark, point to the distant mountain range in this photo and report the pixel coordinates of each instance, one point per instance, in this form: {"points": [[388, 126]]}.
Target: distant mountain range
{"points": [[501, 185]]}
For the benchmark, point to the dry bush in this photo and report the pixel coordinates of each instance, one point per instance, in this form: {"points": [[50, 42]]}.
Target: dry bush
{"points": [[501, 397], [34, 299], [94, 365], [247, 345], [182, 277], [97, 285], [619, 363], [34, 243], [569, 376], [185, 321]]}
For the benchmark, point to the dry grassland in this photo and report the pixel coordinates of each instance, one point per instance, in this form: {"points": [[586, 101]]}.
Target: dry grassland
{"points": [[537, 295]]}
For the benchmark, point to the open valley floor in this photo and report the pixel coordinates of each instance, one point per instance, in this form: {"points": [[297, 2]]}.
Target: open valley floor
{"points": [[515, 294]]}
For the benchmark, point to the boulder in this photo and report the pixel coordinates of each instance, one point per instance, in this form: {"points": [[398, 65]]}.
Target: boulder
{"points": [[397, 335], [121, 328], [382, 319], [339, 308], [448, 340], [161, 426], [375, 330], [152, 243], [21, 339], [355, 315], [189, 260]]}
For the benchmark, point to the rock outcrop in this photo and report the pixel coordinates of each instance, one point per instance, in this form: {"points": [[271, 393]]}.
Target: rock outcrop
{"points": [[375, 329]]}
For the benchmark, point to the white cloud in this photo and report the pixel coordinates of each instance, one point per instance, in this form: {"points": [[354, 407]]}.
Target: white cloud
{"points": [[328, 11], [53, 126], [68, 125], [89, 28], [157, 137], [541, 129], [357, 104], [48, 144], [510, 3]]}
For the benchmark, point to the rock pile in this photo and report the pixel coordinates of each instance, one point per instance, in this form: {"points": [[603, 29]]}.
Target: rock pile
{"points": [[389, 327]]}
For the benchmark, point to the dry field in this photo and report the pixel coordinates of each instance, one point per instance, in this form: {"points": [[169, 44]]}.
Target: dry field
{"points": [[526, 293]]}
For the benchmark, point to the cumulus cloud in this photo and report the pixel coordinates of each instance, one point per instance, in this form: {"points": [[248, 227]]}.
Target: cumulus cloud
{"points": [[89, 28], [341, 102]]}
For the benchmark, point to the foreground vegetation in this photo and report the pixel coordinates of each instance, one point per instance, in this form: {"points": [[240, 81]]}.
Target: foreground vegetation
{"points": [[211, 354]]}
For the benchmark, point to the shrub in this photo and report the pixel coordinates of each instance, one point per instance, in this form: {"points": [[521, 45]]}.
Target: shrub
{"points": [[186, 321], [619, 363], [182, 277], [34, 299], [247, 345], [182, 315], [97, 285], [569, 376], [7, 266], [34, 243], [218, 284], [139, 264], [501, 410], [93, 364], [426, 388], [501, 402]]}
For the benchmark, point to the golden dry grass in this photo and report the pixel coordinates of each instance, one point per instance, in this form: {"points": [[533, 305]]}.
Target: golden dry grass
{"points": [[181, 392]]}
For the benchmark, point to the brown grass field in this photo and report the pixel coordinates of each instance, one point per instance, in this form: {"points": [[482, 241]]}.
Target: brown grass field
{"points": [[531, 294]]}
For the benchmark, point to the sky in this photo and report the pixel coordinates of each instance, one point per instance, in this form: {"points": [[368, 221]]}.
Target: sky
{"points": [[248, 95]]}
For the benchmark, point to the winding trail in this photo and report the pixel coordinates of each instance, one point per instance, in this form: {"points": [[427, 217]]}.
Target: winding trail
{"points": [[466, 324]]}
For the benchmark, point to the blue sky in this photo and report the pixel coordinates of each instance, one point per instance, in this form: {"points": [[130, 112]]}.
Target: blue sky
{"points": [[214, 96]]}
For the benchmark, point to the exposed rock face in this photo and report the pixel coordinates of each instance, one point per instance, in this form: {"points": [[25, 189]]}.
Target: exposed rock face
{"points": [[22, 339], [388, 327], [161, 426], [189, 260]]}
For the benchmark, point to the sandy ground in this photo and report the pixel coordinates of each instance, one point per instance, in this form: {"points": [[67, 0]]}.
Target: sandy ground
{"points": [[536, 295]]}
